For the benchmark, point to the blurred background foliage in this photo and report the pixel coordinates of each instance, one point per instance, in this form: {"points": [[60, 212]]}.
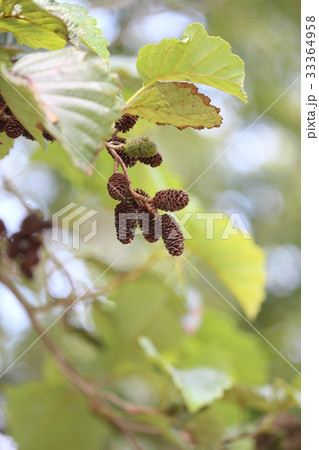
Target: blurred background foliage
{"points": [[179, 313]]}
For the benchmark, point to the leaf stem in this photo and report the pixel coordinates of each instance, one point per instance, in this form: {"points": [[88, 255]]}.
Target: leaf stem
{"points": [[137, 93]]}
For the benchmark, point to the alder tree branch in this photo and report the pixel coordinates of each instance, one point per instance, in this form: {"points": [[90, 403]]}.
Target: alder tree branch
{"points": [[91, 293], [93, 395]]}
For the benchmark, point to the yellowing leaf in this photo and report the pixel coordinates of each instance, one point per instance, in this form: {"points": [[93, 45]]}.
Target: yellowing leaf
{"points": [[32, 25], [236, 259], [178, 104], [196, 57]]}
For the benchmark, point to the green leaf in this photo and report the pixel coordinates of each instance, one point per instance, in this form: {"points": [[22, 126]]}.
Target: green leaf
{"points": [[5, 145], [81, 27], [199, 386], [196, 57], [4, 56], [178, 104], [220, 343], [70, 93], [41, 413], [267, 398], [237, 261], [32, 25]]}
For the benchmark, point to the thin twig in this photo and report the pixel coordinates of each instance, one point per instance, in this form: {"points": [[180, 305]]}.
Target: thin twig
{"points": [[93, 396], [129, 407], [132, 441], [112, 284]]}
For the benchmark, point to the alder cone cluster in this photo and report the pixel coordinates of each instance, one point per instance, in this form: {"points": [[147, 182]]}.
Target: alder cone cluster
{"points": [[13, 128], [170, 200], [136, 208], [133, 212], [24, 245], [130, 161]]}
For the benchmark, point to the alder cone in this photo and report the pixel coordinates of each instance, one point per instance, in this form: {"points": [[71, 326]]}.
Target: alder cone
{"points": [[3, 125], [140, 147], [27, 135], [126, 123], [172, 236], [150, 227], [129, 161], [31, 259], [48, 136], [153, 161], [117, 186], [170, 200], [125, 226], [14, 128], [31, 224], [25, 243]]}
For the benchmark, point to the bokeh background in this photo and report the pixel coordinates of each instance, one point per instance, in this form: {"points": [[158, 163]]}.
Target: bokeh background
{"points": [[258, 176]]}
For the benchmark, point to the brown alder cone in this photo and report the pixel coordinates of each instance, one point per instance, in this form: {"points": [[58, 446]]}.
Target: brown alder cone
{"points": [[150, 226], [30, 260], [118, 187], [31, 224], [3, 125], [48, 136], [14, 128], [125, 226], [126, 123], [24, 244], [27, 135], [153, 161], [170, 200], [129, 161], [172, 236]]}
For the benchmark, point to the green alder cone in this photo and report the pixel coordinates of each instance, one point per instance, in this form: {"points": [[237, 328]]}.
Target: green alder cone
{"points": [[140, 147]]}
